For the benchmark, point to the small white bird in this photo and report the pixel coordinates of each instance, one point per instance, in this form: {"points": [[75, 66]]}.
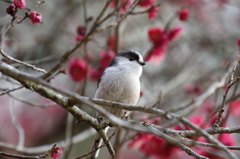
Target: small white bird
{"points": [[120, 82]]}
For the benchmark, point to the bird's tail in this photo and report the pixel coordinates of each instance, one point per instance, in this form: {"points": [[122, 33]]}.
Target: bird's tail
{"points": [[96, 143]]}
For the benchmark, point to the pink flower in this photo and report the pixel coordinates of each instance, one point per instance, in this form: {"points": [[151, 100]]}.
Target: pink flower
{"points": [[197, 120], [146, 3], [183, 15], [234, 108], [155, 35], [79, 37], [227, 139], [152, 13], [152, 145], [56, 152], [175, 33], [106, 57], [156, 54], [161, 40], [11, 9], [21, 4], [35, 17], [95, 75], [78, 69], [148, 144], [81, 30], [238, 42]]}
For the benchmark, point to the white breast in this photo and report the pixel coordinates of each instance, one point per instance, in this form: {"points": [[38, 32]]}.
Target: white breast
{"points": [[120, 85]]}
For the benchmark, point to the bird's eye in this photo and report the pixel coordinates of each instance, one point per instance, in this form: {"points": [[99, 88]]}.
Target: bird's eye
{"points": [[131, 59]]}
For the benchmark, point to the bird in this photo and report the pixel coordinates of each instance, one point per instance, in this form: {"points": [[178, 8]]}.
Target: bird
{"points": [[120, 82]]}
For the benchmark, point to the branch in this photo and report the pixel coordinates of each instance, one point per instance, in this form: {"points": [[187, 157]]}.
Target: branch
{"points": [[41, 149], [210, 91], [44, 89], [22, 63], [28, 157]]}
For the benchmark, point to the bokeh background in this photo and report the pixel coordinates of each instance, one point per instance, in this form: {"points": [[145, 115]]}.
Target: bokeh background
{"points": [[197, 58]]}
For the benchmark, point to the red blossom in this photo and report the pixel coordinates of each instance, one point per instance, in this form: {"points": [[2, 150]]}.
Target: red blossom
{"points": [[79, 37], [21, 4], [56, 152], [11, 9], [153, 146], [146, 3], [96, 74], [35, 17], [81, 30], [227, 139], [161, 38], [175, 33], [106, 57], [234, 108], [183, 14], [197, 120], [152, 13], [155, 35], [156, 54], [77, 69], [149, 144]]}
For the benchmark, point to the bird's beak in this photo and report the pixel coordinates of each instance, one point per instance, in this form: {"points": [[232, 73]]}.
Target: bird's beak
{"points": [[142, 63]]}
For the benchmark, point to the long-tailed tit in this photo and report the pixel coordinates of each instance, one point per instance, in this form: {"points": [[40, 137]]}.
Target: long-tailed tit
{"points": [[120, 82]]}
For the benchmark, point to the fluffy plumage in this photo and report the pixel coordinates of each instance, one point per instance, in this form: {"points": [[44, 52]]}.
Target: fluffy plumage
{"points": [[120, 82]]}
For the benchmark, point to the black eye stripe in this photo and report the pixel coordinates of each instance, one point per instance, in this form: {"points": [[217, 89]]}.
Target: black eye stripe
{"points": [[129, 54]]}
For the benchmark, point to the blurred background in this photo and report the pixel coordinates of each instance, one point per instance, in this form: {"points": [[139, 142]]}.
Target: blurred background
{"points": [[192, 62]]}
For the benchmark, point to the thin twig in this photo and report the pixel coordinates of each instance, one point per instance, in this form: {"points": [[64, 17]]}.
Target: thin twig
{"points": [[11, 90], [20, 62], [39, 61], [41, 149], [109, 139], [230, 84], [27, 157]]}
